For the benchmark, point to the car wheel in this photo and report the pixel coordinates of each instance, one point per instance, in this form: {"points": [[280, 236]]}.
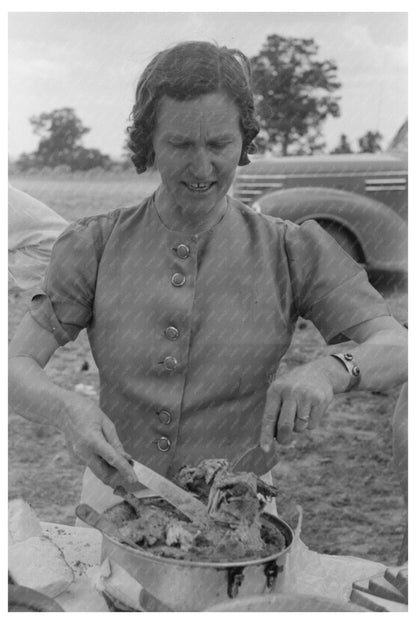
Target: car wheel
{"points": [[344, 238]]}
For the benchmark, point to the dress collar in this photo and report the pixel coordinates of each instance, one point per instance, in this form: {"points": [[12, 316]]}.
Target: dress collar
{"points": [[155, 212]]}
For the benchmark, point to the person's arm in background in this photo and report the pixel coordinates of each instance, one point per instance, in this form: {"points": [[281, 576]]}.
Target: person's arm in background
{"points": [[400, 456], [33, 228]]}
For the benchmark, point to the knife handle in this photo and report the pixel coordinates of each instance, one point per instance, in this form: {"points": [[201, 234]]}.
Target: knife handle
{"points": [[101, 523]]}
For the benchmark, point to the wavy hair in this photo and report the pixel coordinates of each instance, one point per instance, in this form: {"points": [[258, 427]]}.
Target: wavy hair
{"points": [[184, 72]]}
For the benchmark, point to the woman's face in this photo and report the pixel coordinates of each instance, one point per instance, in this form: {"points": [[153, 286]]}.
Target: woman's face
{"points": [[197, 146]]}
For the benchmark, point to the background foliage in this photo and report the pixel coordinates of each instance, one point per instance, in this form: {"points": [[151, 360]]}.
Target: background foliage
{"points": [[295, 92]]}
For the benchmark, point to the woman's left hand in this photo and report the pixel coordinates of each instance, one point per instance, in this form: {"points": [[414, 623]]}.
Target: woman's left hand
{"points": [[295, 401]]}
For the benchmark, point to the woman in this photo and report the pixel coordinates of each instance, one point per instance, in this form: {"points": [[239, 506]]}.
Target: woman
{"points": [[191, 298]]}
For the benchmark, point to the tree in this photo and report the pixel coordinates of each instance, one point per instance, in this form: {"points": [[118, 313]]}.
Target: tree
{"points": [[311, 143], [294, 92], [343, 146], [370, 142], [61, 132], [84, 159], [262, 141]]}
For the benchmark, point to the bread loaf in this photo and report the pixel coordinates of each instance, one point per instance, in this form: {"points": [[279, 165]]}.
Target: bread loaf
{"points": [[23, 522], [39, 564]]}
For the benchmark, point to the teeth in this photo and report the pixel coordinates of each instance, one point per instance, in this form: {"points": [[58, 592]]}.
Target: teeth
{"points": [[199, 187]]}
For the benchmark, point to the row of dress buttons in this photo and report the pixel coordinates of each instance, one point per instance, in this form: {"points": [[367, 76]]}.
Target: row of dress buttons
{"points": [[183, 252], [170, 362], [163, 443]]}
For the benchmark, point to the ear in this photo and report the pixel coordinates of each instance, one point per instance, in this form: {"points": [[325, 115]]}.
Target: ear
{"points": [[243, 158]]}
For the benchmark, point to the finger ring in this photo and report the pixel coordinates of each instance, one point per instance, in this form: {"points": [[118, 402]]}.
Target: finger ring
{"points": [[302, 418]]}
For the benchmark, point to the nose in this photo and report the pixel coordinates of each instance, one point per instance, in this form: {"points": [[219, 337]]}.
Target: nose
{"points": [[201, 166]]}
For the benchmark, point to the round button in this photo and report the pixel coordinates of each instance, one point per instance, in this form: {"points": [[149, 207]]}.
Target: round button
{"points": [[163, 444], [171, 333], [178, 279], [170, 362], [183, 251], [355, 371], [348, 357], [165, 417]]}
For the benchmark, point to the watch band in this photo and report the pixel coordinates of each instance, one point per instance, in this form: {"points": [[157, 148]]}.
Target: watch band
{"points": [[347, 360]]}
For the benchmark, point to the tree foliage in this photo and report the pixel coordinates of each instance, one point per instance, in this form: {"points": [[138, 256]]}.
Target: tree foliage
{"points": [[370, 142], [343, 146], [61, 133], [294, 93]]}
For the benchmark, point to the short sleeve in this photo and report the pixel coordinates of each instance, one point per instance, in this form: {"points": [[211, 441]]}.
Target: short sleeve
{"points": [[64, 303], [329, 287]]}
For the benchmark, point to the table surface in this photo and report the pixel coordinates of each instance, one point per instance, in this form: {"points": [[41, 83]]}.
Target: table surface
{"points": [[306, 571]]}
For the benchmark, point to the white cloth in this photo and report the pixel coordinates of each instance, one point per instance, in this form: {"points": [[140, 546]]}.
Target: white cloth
{"points": [[33, 229]]}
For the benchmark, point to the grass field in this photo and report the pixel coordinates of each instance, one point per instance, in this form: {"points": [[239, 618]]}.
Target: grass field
{"points": [[341, 474], [73, 198]]}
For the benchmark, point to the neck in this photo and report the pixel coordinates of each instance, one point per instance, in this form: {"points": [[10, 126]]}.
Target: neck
{"points": [[175, 217]]}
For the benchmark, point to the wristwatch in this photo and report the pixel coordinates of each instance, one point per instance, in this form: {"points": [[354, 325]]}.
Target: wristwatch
{"points": [[347, 360]]}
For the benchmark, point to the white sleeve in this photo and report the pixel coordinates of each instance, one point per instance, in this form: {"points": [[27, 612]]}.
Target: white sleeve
{"points": [[33, 229]]}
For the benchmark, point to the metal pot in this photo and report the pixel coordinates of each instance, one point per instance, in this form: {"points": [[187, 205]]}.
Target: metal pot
{"points": [[195, 586]]}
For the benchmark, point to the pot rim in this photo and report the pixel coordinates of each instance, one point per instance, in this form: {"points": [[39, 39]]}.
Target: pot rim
{"points": [[240, 563]]}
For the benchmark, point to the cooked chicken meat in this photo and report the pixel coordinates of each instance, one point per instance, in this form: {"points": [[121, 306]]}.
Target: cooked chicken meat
{"points": [[178, 535], [232, 500], [234, 529]]}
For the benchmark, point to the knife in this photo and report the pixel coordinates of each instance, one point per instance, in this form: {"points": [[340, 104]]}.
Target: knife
{"points": [[186, 502], [254, 460]]}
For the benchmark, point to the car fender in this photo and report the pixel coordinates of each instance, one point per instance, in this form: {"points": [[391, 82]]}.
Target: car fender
{"points": [[367, 220]]}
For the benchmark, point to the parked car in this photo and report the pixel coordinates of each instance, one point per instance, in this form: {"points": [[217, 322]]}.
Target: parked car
{"points": [[360, 199]]}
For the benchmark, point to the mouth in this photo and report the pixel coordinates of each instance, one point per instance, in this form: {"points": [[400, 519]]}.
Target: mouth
{"points": [[199, 187]]}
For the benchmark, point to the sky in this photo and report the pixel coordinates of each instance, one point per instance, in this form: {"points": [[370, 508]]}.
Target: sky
{"points": [[91, 61]]}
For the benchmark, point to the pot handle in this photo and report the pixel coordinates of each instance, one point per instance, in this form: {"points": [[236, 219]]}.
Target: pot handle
{"points": [[235, 578], [116, 582], [271, 571]]}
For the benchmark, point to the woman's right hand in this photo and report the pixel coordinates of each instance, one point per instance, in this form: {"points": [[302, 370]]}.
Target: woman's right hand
{"points": [[90, 435], [92, 440]]}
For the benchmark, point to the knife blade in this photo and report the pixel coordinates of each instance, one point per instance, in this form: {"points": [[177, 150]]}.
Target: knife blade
{"points": [[190, 506], [254, 459]]}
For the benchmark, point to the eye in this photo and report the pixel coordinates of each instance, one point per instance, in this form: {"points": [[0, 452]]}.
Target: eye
{"points": [[180, 145], [218, 145]]}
